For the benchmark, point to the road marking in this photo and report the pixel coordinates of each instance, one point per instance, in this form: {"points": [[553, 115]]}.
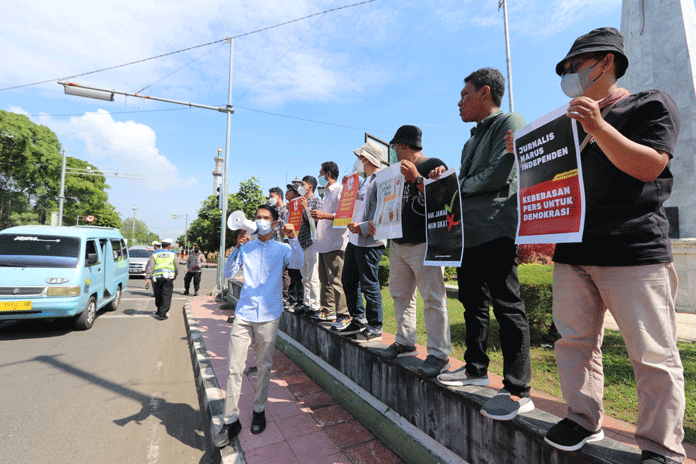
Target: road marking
{"points": [[108, 316]]}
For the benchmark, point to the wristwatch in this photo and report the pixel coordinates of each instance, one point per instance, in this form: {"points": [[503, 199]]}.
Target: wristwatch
{"points": [[419, 180]]}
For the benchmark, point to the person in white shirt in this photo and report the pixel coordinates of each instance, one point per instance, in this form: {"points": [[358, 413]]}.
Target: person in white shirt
{"points": [[256, 315], [330, 247]]}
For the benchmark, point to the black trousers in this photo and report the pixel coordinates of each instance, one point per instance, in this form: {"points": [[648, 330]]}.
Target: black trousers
{"points": [[196, 276], [489, 275], [295, 290], [163, 289]]}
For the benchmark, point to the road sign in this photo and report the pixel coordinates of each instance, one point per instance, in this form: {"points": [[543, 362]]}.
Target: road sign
{"points": [[89, 218]]}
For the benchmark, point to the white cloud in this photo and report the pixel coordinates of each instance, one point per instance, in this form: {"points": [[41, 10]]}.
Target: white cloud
{"points": [[129, 147], [531, 18], [17, 109], [46, 40]]}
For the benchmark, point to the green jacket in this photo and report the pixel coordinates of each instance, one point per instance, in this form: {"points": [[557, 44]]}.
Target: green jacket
{"points": [[488, 181]]}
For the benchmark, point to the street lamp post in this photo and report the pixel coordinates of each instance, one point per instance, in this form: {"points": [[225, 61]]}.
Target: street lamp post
{"points": [[503, 3], [84, 172], [177, 216], [72, 88], [133, 232]]}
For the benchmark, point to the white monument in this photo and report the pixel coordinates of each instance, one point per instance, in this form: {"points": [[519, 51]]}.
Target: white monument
{"points": [[660, 43], [217, 172]]}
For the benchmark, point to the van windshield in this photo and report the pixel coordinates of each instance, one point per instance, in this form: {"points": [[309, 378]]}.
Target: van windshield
{"points": [[139, 253], [26, 250]]}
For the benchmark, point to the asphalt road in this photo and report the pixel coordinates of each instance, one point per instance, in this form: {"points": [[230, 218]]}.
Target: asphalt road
{"points": [[121, 392]]}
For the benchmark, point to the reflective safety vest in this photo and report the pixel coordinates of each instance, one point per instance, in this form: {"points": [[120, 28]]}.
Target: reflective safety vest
{"points": [[164, 264]]}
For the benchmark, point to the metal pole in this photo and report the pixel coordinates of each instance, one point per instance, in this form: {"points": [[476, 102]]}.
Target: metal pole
{"points": [[133, 232], [61, 198], [223, 189], [507, 52]]}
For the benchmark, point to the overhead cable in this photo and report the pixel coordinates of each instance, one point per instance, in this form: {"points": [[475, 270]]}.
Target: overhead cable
{"points": [[188, 48]]}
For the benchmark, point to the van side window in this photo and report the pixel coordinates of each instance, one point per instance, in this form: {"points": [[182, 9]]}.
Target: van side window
{"points": [[117, 250], [91, 248], [124, 249]]}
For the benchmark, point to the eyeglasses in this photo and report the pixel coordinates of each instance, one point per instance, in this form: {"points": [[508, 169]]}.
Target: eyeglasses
{"points": [[576, 63]]}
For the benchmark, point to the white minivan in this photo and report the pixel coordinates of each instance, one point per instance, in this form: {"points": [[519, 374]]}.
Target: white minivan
{"points": [[56, 272]]}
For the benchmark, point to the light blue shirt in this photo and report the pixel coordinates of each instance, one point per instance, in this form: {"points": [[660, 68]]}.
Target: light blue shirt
{"points": [[261, 299]]}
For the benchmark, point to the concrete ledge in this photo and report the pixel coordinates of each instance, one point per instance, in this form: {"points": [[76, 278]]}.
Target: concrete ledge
{"points": [[390, 394], [393, 430], [684, 252], [211, 402]]}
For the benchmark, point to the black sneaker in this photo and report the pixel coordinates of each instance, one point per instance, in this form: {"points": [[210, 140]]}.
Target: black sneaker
{"points": [[365, 336], [185, 292], [648, 457], [568, 435], [433, 366], [350, 329], [227, 433], [258, 423]]}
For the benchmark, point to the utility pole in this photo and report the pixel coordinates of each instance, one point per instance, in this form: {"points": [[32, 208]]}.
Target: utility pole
{"points": [[133, 232], [61, 198], [224, 189], [503, 3]]}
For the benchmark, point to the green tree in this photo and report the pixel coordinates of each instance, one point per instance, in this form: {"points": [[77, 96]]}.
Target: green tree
{"points": [[142, 235], [30, 167], [204, 231]]}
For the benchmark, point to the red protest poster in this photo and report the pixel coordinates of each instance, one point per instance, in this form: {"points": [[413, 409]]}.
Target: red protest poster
{"points": [[344, 212], [551, 196], [295, 213]]}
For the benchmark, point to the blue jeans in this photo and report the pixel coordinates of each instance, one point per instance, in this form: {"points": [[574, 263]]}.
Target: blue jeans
{"points": [[360, 274]]}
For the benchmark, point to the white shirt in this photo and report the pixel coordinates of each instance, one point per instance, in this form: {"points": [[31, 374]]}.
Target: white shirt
{"points": [[261, 299], [328, 238]]}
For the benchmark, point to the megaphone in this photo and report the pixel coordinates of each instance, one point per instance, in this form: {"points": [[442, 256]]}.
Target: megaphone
{"points": [[237, 221]]}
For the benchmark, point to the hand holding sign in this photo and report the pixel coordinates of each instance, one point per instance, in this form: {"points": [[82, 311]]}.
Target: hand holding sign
{"points": [[586, 111]]}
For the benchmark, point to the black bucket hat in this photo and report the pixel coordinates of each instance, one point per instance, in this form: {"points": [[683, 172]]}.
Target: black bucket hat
{"points": [[410, 135], [603, 39]]}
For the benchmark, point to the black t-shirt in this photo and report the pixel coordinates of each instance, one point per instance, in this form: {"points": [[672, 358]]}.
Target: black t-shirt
{"points": [[413, 205], [625, 220]]}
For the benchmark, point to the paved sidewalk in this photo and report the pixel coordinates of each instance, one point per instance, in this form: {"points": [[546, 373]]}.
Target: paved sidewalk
{"points": [[306, 426]]}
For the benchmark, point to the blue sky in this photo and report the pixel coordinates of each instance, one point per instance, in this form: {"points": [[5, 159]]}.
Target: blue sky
{"points": [[369, 68]]}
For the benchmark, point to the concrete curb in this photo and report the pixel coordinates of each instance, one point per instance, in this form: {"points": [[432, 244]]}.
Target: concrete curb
{"points": [[399, 435], [209, 397]]}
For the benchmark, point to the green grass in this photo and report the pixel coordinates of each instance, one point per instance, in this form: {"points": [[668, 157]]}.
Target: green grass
{"points": [[620, 399]]}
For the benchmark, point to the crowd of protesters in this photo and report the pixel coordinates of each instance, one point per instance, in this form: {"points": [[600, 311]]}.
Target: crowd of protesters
{"points": [[623, 263]]}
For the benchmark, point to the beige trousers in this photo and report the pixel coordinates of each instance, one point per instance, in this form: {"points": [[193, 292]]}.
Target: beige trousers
{"points": [[241, 335], [641, 300], [330, 269], [406, 273], [310, 278]]}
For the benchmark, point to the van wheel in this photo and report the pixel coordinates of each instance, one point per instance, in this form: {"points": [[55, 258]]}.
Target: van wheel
{"points": [[113, 304], [85, 320]]}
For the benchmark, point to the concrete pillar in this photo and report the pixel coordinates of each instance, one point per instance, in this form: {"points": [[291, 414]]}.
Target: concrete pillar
{"points": [[660, 43]]}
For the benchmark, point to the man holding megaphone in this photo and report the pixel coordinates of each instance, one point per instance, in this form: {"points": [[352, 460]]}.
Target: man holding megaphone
{"points": [[258, 310]]}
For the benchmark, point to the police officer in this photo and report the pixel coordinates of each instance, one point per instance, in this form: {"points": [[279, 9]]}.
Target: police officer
{"points": [[162, 267]]}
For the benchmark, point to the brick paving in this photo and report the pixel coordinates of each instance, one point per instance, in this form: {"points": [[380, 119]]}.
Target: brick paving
{"points": [[306, 426]]}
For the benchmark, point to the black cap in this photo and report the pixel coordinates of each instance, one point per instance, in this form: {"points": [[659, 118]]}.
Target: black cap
{"points": [[603, 39], [410, 135], [292, 187]]}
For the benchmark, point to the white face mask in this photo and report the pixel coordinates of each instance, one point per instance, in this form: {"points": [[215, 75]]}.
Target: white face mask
{"points": [[359, 166], [301, 190], [576, 84], [263, 227], [272, 202]]}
